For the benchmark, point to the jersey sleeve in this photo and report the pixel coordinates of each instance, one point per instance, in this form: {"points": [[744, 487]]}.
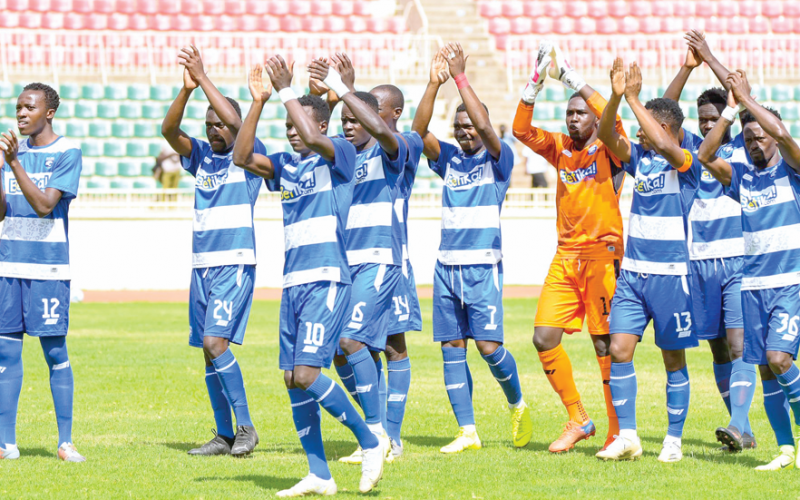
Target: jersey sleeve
{"points": [[446, 152], [199, 151], [278, 161], [539, 141], [637, 151], [737, 171], [505, 164], [397, 165], [67, 173], [344, 159], [597, 103]]}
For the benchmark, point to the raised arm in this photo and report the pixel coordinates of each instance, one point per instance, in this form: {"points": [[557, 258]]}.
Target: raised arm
{"points": [[697, 42], [538, 140], [617, 143], [171, 126], [457, 62], [676, 85], [2, 195], [422, 118], [707, 154], [243, 155], [42, 202], [317, 88], [189, 58], [342, 83], [771, 124], [309, 131]]}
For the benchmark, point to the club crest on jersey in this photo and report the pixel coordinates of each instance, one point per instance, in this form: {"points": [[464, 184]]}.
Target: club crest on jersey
{"points": [[758, 200], [304, 186], [455, 181], [210, 181], [592, 150], [41, 181], [48, 163], [578, 175], [651, 185]]}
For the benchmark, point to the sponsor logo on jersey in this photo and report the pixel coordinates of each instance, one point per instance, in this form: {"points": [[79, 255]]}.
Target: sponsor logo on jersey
{"points": [[758, 200], [41, 181], [210, 181], [576, 176], [706, 176], [455, 181], [362, 171], [650, 185], [305, 186], [592, 150]]}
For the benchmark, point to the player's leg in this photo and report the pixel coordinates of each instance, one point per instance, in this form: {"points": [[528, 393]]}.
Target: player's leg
{"points": [[398, 367], [11, 328]]}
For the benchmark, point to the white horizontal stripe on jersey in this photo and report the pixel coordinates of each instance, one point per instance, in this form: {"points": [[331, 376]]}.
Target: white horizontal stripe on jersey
{"points": [[464, 181], [776, 239], [235, 174], [471, 217], [399, 205], [774, 281], [370, 256], [310, 232], [659, 183], [466, 257], [312, 276], [370, 215], [405, 252], [374, 170], [39, 230], [242, 256], [648, 227], [59, 272], [714, 209], [57, 147], [719, 249], [782, 193], [230, 217], [661, 268]]}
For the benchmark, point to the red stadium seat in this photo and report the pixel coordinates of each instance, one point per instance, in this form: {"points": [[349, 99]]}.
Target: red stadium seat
{"points": [[598, 9], [564, 25], [17, 5], [256, 7], [512, 9], [501, 42], [521, 25], [555, 9], [160, 22], [607, 26], [53, 20], [649, 25], [137, 22], [641, 8], [191, 8], [759, 25], [118, 22], [147, 6], [279, 8], [671, 25], [499, 26], [773, 9], [30, 20], [213, 7], [375, 25], [300, 8], [781, 25], [246, 23], [361, 8], [334, 24], [585, 25], [321, 8], [61, 5], [169, 7], [618, 8], [313, 24], [715, 25], [234, 8], [662, 8], [290, 24], [737, 25], [577, 9], [225, 23], [396, 25], [104, 6], [342, 8], [542, 25], [489, 9], [181, 23], [705, 9], [73, 21], [683, 8], [749, 8], [82, 6], [40, 5], [95, 21], [533, 9], [356, 24], [203, 23], [269, 24], [628, 25], [792, 9], [125, 6], [728, 9]]}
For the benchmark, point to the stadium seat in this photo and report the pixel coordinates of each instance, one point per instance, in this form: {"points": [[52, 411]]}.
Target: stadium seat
{"points": [[145, 130], [10, 109], [121, 184], [145, 183], [86, 110], [322, 7], [585, 25], [795, 130], [564, 25], [100, 128], [186, 183], [533, 8], [705, 9], [154, 111], [128, 169], [66, 110], [154, 148], [737, 25], [130, 110], [312, 24], [789, 112], [256, 7], [606, 26], [618, 8], [76, 129], [122, 130], [759, 25], [628, 25], [87, 168], [108, 110], [98, 183], [116, 92], [124, 6], [490, 9], [106, 168], [511, 9], [53, 20], [115, 149], [161, 93], [521, 25], [132, 149], [791, 9], [61, 5], [299, 7], [555, 9], [138, 92], [146, 168], [334, 24], [782, 25], [147, 6], [356, 24], [542, 25], [773, 9], [291, 24]]}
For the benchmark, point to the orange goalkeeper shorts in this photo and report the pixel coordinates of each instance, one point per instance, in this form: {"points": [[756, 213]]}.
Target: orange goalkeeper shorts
{"points": [[575, 289]]}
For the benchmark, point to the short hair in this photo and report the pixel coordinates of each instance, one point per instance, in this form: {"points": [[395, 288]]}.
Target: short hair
{"points": [[574, 95], [396, 99], [666, 110], [322, 113], [747, 117], [462, 108], [51, 98], [235, 105], [368, 98], [716, 96]]}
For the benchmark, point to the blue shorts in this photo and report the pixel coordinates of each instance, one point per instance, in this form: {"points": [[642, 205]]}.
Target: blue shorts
{"points": [[667, 300], [370, 303], [716, 292], [468, 302], [39, 308], [771, 322], [405, 315], [219, 303], [312, 318]]}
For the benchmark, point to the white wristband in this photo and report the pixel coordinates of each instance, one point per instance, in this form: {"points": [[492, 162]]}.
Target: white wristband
{"points": [[730, 113], [287, 94], [335, 83]]}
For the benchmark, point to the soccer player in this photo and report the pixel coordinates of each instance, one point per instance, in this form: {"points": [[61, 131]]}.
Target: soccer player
{"points": [[37, 183], [768, 190], [716, 249], [374, 249], [223, 252], [653, 282], [316, 185], [468, 280], [583, 273]]}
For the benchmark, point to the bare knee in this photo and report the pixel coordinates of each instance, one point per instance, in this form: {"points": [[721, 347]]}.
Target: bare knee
{"points": [[779, 362], [305, 376], [486, 347], [288, 379], [350, 346], [621, 352], [396, 347], [736, 342], [459, 343], [602, 345], [546, 338], [766, 372], [674, 360], [214, 347], [720, 351]]}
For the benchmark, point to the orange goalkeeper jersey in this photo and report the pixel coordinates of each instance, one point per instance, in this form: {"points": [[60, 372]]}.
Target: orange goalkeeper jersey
{"points": [[589, 184]]}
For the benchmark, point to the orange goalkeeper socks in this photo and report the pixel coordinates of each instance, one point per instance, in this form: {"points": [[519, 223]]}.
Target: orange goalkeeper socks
{"points": [[605, 370], [558, 369]]}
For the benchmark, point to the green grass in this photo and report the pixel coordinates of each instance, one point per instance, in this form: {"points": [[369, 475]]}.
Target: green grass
{"points": [[141, 403]]}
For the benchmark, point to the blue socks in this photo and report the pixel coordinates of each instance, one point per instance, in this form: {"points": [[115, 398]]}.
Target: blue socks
{"points": [[219, 403], [722, 375], [348, 380], [677, 401], [742, 388], [623, 393], [458, 383], [790, 383], [504, 368], [399, 383], [230, 375], [10, 385], [61, 383], [333, 398], [305, 411], [381, 390], [366, 384], [777, 408]]}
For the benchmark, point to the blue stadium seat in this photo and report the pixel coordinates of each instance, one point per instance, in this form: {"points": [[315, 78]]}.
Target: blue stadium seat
{"points": [[108, 110], [7, 90], [105, 169], [92, 148], [76, 129], [98, 183], [114, 149], [122, 129], [138, 92], [122, 183], [99, 128], [92, 91], [116, 92]]}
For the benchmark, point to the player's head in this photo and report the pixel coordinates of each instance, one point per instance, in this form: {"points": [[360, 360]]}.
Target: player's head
{"points": [[761, 146], [464, 131], [710, 106], [669, 116], [581, 122], [351, 127], [36, 107], [390, 103], [318, 110], [219, 135]]}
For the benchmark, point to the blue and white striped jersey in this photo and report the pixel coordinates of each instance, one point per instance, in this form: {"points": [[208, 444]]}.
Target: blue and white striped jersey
{"points": [[473, 194], [770, 201], [316, 195], [373, 230], [224, 197], [716, 220], [415, 146], [657, 226], [33, 247]]}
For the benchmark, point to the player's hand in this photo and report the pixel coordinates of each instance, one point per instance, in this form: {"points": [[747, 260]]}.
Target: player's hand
{"points": [[318, 70], [279, 73], [692, 59], [739, 85], [617, 77], [344, 66], [260, 92], [633, 82], [456, 60], [697, 42], [10, 145], [439, 73], [316, 87], [189, 58]]}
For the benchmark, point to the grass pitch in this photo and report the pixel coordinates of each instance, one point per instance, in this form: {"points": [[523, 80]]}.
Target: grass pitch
{"points": [[141, 403]]}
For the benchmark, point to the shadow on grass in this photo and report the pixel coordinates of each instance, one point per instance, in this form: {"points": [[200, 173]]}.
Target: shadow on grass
{"points": [[181, 446], [427, 441], [283, 483], [704, 450], [36, 452]]}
